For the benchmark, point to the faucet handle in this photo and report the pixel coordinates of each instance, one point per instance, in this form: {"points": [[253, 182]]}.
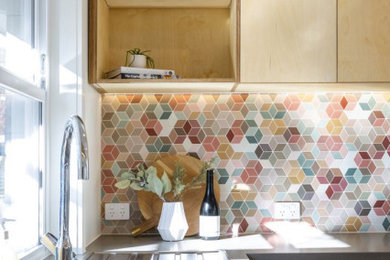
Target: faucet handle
{"points": [[2, 225], [5, 220], [50, 242]]}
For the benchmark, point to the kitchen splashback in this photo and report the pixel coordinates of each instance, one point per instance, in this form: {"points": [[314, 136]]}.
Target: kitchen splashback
{"points": [[330, 151]]}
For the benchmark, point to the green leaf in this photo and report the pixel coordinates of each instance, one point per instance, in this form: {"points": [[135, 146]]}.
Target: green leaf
{"points": [[154, 184], [151, 170], [136, 179], [140, 175], [122, 184], [140, 167], [167, 186], [135, 186], [127, 175]]}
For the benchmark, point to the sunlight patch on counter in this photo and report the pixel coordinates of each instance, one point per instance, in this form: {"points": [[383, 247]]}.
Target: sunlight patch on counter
{"points": [[303, 235], [250, 242]]}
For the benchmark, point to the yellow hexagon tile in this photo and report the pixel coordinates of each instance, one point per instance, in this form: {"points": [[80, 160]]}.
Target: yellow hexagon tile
{"points": [[353, 224], [296, 176], [334, 126], [225, 151]]}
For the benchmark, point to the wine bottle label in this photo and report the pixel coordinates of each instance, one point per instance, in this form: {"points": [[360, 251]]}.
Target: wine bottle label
{"points": [[209, 226]]}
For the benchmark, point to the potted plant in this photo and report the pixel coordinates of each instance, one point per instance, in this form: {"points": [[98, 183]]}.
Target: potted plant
{"points": [[172, 225], [139, 59]]}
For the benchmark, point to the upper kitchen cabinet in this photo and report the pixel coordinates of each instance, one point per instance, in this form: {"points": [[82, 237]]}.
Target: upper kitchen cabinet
{"points": [[196, 38], [288, 41], [364, 40]]}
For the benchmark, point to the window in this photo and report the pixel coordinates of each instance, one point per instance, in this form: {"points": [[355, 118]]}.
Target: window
{"points": [[19, 168], [18, 52], [22, 105]]}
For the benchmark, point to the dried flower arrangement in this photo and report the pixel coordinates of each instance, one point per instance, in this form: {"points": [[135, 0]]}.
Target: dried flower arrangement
{"points": [[148, 180]]}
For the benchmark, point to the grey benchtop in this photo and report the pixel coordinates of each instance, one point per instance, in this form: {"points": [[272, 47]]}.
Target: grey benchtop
{"points": [[269, 243]]}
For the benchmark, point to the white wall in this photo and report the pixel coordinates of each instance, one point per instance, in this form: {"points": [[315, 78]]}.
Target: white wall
{"points": [[91, 189], [69, 93], [92, 115]]}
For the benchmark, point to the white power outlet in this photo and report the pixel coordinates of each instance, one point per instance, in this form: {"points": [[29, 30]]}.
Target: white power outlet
{"points": [[287, 210], [117, 211]]}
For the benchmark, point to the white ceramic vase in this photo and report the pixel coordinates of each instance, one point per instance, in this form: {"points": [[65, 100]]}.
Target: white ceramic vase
{"points": [[138, 61], [173, 223]]}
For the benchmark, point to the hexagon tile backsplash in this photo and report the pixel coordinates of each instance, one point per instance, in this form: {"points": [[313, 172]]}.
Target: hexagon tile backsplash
{"points": [[331, 151]]}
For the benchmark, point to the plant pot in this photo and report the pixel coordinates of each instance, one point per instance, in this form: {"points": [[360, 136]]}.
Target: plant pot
{"points": [[173, 223], [138, 61]]}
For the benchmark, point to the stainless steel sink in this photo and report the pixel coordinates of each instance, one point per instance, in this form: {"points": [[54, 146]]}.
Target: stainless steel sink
{"points": [[220, 255], [122, 257]]}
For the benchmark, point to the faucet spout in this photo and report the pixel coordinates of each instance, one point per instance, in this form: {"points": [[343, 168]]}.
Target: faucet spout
{"points": [[74, 127]]}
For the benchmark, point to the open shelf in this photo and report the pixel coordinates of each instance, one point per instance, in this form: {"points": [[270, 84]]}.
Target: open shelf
{"points": [[198, 40], [165, 86]]}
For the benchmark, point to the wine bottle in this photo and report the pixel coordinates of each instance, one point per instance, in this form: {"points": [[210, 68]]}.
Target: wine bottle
{"points": [[209, 219]]}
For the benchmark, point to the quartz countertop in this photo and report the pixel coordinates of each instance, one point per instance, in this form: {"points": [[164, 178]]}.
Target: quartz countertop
{"points": [[238, 247]]}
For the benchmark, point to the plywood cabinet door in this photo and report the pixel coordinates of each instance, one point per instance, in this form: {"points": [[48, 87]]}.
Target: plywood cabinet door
{"points": [[288, 41], [364, 40]]}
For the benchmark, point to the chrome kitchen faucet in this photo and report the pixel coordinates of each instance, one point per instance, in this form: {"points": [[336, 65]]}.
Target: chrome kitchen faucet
{"points": [[62, 248]]}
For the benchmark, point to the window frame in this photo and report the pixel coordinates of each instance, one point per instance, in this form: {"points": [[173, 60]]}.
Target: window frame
{"points": [[38, 91]]}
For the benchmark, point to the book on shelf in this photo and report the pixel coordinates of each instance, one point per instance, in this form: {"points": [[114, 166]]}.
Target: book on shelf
{"points": [[140, 73], [144, 76]]}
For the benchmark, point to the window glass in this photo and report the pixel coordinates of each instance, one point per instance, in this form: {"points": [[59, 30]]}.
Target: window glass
{"points": [[19, 168], [20, 122], [17, 38]]}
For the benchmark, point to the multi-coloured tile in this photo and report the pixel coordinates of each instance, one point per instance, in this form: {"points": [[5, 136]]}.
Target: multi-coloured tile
{"points": [[331, 151]]}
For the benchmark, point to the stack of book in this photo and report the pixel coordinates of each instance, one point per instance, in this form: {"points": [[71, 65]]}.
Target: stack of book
{"points": [[141, 73]]}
